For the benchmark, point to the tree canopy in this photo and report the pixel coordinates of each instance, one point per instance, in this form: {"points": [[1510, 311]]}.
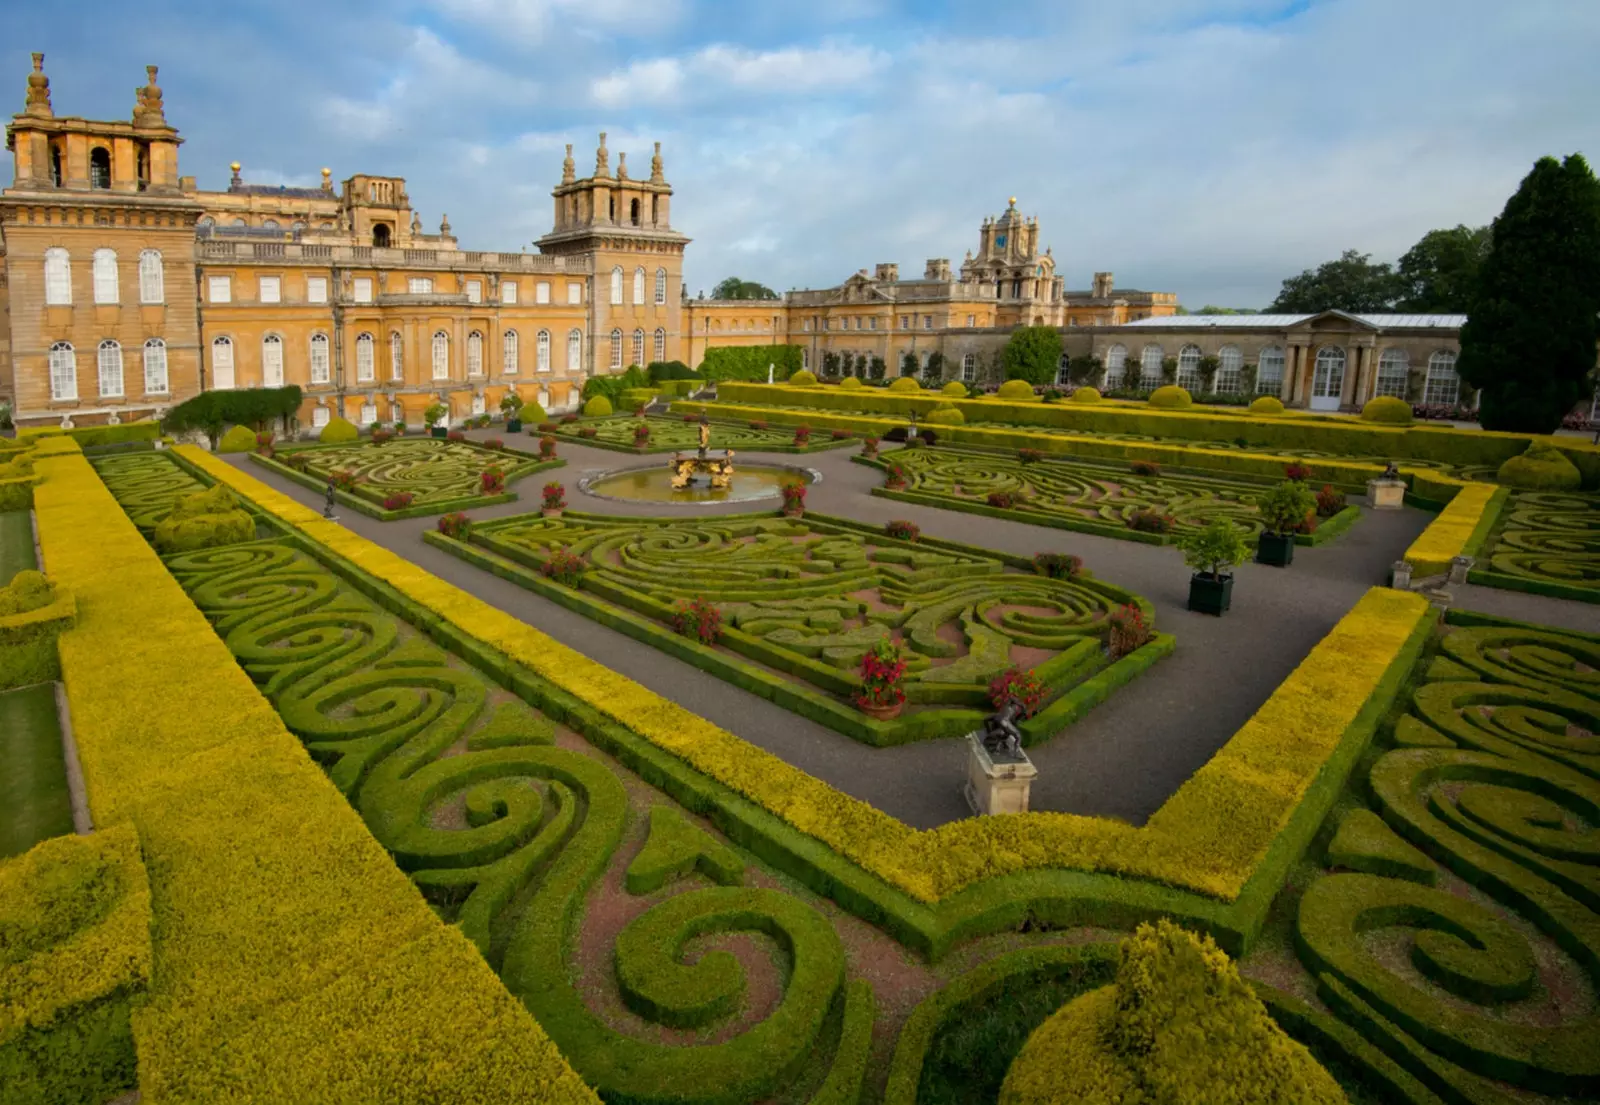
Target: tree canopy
{"points": [[1534, 316], [1351, 283], [1032, 353], [1439, 272], [734, 288]]}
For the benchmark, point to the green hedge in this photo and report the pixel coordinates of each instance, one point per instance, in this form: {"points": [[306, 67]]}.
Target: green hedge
{"points": [[87, 436], [423, 510], [730, 363], [29, 628]]}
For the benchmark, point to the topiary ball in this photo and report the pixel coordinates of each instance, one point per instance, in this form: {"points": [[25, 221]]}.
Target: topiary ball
{"points": [[850, 382], [1386, 408], [1541, 468], [802, 379], [905, 383], [945, 414], [955, 389], [28, 591], [240, 439], [1171, 397], [1086, 395], [532, 414], [339, 431], [1267, 404], [1016, 389], [598, 407]]}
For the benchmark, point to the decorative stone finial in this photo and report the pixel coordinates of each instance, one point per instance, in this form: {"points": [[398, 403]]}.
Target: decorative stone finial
{"points": [[416, 222], [568, 169], [327, 180], [38, 102], [622, 166], [444, 226], [1013, 203], [237, 181], [602, 158], [655, 167], [147, 109]]}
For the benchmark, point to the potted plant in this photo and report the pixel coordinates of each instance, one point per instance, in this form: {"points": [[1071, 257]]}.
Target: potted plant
{"points": [[564, 566], [547, 448], [455, 525], [492, 482], [1024, 688], [399, 429], [1212, 551], [434, 416], [869, 446], [511, 407], [883, 669], [555, 500], [794, 499], [1284, 509], [641, 435], [698, 618]]}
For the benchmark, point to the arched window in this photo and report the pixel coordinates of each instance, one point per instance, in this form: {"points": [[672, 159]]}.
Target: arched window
{"points": [[638, 287], [1443, 386], [1189, 368], [1150, 366], [638, 345], [99, 167], [633, 212], [1229, 362], [441, 355], [660, 345], [380, 235], [269, 224], [574, 350], [319, 359], [222, 363], [63, 371], [1327, 378], [475, 354], [105, 276], [616, 349], [364, 359], [155, 367], [616, 286], [110, 370], [969, 368], [1269, 371], [297, 228], [1062, 375], [57, 278], [272, 361], [1394, 366], [397, 356], [542, 351], [206, 222], [510, 354], [1116, 365], [152, 282], [237, 222], [661, 285]]}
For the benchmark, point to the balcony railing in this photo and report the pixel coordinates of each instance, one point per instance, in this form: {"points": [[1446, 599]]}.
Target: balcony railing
{"points": [[245, 252]]}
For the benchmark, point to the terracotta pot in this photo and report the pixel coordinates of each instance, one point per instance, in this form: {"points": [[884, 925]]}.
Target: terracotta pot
{"points": [[797, 512], [549, 512], [883, 713]]}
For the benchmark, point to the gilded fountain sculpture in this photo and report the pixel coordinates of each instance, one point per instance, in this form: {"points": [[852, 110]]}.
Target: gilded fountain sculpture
{"points": [[719, 471]]}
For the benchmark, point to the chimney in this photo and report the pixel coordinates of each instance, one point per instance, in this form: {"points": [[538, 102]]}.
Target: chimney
{"points": [[887, 273], [1102, 285]]}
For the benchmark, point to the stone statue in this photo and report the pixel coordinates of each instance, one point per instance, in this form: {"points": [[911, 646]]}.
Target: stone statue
{"points": [[1001, 737], [705, 436], [568, 169], [655, 167], [1392, 471], [602, 158], [327, 504]]}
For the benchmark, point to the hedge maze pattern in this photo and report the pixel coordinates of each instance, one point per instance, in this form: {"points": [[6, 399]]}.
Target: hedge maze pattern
{"points": [[145, 484], [431, 471], [1460, 934], [673, 435], [1550, 537], [818, 598]]}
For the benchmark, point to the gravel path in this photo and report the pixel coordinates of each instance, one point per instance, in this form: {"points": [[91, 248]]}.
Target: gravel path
{"points": [[1124, 760]]}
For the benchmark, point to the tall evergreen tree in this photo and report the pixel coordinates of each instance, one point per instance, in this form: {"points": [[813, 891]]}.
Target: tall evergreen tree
{"points": [[1529, 341], [1032, 353]]}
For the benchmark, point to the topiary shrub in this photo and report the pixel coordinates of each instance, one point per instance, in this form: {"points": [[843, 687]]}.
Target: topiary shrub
{"points": [[905, 384], [1171, 397], [1086, 395], [28, 591], [1386, 408], [532, 413], [240, 439], [955, 389], [1266, 404], [1016, 389], [945, 414], [850, 383], [339, 431], [204, 520], [598, 407], [802, 379], [1541, 468], [1178, 1025]]}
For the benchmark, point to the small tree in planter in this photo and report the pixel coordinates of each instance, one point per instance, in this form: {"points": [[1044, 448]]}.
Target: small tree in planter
{"points": [[1284, 510], [699, 619], [433, 416], [1022, 687], [492, 482], [376, 428], [563, 566], [455, 526], [554, 500], [547, 448], [883, 669], [1212, 551], [511, 407], [794, 499], [1129, 631]]}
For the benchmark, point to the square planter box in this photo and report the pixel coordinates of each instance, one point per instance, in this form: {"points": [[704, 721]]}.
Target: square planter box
{"points": [[1210, 595], [513, 425], [1276, 549], [440, 431]]}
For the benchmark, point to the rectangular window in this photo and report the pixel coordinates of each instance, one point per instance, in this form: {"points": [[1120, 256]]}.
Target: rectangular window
{"points": [[805, 324], [927, 322], [363, 289], [155, 368], [319, 359], [316, 289], [508, 292], [220, 289], [420, 285], [474, 291], [872, 323], [972, 320], [827, 324], [270, 288], [541, 292], [905, 322], [320, 417], [574, 293]]}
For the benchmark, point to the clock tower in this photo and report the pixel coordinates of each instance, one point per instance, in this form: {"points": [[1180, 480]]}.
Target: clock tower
{"points": [[1009, 269]]}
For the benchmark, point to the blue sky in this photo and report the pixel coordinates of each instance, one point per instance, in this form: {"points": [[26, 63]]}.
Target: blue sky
{"points": [[1207, 147]]}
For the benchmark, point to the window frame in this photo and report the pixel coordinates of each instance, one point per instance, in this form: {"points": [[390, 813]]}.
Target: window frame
{"points": [[57, 277], [274, 342], [152, 277], [510, 353], [106, 279], [616, 347], [215, 282], [319, 357], [508, 293], [574, 350], [637, 348], [63, 370], [659, 344], [366, 358], [439, 355], [661, 287], [1441, 371], [316, 289], [475, 353], [361, 289], [1280, 364], [397, 355], [108, 359], [1392, 361], [541, 293], [160, 346], [638, 286], [266, 281]]}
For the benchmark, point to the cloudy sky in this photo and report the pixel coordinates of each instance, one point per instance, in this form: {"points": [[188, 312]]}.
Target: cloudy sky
{"points": [[1207, 147]]}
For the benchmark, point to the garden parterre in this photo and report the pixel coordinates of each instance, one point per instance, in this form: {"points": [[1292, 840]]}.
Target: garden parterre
{"points": [[674, 434], [1547, 542]]}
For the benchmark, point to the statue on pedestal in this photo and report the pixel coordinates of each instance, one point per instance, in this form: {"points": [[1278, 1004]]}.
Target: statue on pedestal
{"points": [[705, 435], [1001, 737]]}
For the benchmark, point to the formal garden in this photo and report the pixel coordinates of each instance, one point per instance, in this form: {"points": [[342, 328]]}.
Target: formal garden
{"points": [[657, 434]]}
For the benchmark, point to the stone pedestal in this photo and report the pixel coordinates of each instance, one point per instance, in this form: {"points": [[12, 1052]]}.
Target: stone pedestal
{"points": [[1400, 575], [1459, 567], [1386, 494], [996, 787]]}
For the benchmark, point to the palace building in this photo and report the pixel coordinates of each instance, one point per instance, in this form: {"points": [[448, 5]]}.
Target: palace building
{"points": [[126, 289]]}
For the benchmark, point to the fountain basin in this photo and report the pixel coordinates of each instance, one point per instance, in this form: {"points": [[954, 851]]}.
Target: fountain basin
{"points": [[653, 484]]}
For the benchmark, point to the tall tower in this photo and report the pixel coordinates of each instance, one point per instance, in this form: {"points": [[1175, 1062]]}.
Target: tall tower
{"points": [[636, 259], [1010, 269]]}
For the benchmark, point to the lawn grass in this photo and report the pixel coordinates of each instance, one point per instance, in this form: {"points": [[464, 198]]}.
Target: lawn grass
{"points": [[34, 804], [16, 544]]}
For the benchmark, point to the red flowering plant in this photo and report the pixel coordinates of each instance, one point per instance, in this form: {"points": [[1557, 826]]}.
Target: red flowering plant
{"points": [[842, 435], [298, 461], [1329, 501], [697, 618], [757, 424], [1129, 631], [869, 446], [494, 443], [549, 427], [264, 443], [1151, 521], [455, 525], [1295, 470], [641, 435], [492, 482], [794, 497], [587, 431], [1057, 565], [1145, 468], [547, 447], [564, 566], [382, 437], [344, 479], [398, 501], [555, 497], [802, 435], [567, 419], [691, 418], [902, 530], [895, 478], [1029, 456], [1022, 687], [1004, 500], [883, 669], [455, 435]]}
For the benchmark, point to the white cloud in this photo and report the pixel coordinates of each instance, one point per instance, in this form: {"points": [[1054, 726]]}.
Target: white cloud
{"points": [[536, 20], [712, 71]]}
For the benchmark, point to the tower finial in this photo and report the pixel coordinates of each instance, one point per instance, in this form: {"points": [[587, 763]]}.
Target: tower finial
{"points": [[622, 165], [568, 169], [237, 181], [327, 179], [38, 102], [655, 167], [602, 158], [147, 108]]}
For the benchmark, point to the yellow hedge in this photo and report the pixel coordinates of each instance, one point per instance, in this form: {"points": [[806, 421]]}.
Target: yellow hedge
{"points": [[1448, 535], [1200, 840], [293, 960]]}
